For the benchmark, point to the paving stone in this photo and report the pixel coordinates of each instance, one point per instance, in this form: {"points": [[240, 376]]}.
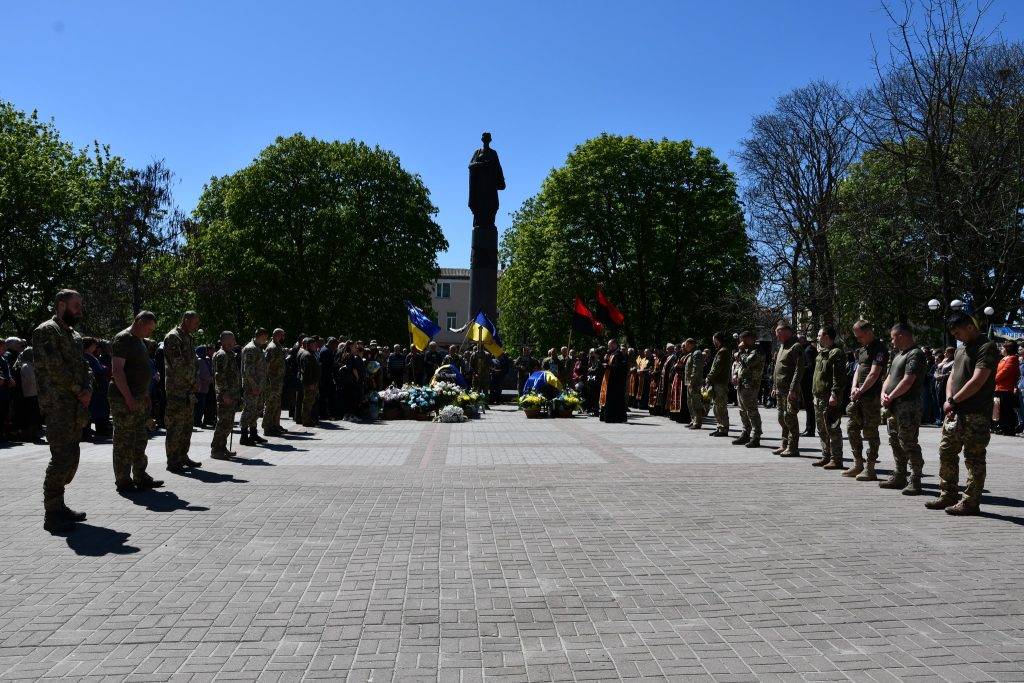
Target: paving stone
{"points": [[508, 549]]}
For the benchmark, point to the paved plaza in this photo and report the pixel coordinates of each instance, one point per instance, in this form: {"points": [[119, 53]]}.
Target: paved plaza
{"points": [[510, 549]]}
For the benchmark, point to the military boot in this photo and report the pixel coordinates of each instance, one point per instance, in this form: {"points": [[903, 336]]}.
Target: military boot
{"points": [[190, 463], [245, 439], [56, 522], [780, 450], [821, 462], [834, 464], [897, 480], [856, 468], [254, 435], [964, 508], [222, 455], [946, 500], [755, 441], [869, 473], [72, 515], [913, 488], [743, 438]]}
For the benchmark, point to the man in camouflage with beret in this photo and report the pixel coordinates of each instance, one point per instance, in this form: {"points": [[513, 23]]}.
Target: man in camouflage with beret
{"points": [[65, 388], [181, 372]]}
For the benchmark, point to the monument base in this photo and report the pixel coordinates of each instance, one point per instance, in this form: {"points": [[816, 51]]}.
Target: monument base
{"points": [[483, 271]]}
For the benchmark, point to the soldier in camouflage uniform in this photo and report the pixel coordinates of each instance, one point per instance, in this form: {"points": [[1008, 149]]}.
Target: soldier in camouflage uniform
{"points": [[228, 386], [254, 378], [274, 360], [901, 401], [693, 376], [748, 388], [309, 375], [130, 404], [65, 388], [968, 418], [827, 386], [181, 381], [865, 409], [718, 381], [481, 364], [789, 368]]}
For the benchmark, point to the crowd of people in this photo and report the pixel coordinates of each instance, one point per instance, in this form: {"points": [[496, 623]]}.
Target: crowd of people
{"points": [[123, 389]]}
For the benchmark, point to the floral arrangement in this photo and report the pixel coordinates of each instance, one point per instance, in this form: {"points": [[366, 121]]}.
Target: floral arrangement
{"points": [[452, 414], [420, 399], [568, 400], [533, 401], [393, 395], [447, 393]]}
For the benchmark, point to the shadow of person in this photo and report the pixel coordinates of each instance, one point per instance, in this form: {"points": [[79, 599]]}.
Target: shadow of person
{"points": [[252, 462], [96, 541], [1019, 521], [156, 500], [328, 425], [210, 477], [281, 447]]}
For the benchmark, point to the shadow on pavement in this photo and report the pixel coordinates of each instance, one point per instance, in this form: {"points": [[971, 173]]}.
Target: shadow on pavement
{"points": [[281, 447], [96, 541], [156, 500], [252, 462], [210, 477]]}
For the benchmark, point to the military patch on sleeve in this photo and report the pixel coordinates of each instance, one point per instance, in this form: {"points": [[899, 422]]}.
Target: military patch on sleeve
{"points": [[880, 357]]}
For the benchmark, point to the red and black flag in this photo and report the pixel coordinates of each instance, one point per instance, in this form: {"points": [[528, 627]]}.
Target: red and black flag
{"points": [[583, 320], [610, 316]]}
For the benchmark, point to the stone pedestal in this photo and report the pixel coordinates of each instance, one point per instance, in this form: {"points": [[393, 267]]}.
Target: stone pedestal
{"points": [[483, 271]]}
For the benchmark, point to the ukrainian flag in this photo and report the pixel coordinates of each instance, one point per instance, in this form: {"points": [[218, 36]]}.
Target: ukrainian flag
{"points": [[483, 330], [421, 328]]}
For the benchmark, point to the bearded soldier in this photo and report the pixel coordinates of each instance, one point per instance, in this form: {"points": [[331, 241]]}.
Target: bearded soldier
{"points": [[65, 388]]}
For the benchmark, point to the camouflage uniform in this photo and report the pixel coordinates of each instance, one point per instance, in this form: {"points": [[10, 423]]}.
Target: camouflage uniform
{"points": [[748, 389], [903, 419], [973, 423], [789, 367], [130, 432], [180, 375], [62, 374], [229, 387], [274, 358], [865, 412], [481, 364], [693, 375], [309, 371], [254, 377], [827, 383], [718, 379]]}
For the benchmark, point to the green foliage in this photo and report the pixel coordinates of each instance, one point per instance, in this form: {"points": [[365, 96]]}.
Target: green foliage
{"points": [[314, 236], [657, 222]]}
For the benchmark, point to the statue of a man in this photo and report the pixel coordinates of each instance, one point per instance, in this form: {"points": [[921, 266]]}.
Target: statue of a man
{"points": [[485, 179]]}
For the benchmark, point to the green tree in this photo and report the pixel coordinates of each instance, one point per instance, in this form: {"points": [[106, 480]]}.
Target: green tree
{"points": [[658, 223], [314, 236]]}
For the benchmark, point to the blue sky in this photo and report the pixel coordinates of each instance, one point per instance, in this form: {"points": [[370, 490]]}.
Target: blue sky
{"points": [[206, 85]]}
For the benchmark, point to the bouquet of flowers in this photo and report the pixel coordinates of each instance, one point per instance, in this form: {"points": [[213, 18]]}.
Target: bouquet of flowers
{"points": [[392, 396], [533, 401], [420, 399], [451, 414], [567, 402], [447, 392]]}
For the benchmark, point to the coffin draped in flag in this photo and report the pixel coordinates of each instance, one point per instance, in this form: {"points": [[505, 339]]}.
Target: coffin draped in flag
{"points": [[421, 328], [482, 330], [543, 382]]}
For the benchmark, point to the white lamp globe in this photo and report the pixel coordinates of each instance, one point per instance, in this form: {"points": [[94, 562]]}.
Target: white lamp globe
{"points": [[956, 304], [934, 304], [989, 311]]}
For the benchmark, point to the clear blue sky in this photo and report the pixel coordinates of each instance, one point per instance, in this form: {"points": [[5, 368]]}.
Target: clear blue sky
{"points": [[206, 85]]}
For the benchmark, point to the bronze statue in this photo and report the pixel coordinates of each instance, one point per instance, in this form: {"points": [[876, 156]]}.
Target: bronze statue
{"points": [[485, 180]]}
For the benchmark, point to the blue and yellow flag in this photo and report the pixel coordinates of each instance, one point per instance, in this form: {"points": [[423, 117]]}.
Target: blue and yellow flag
{"points": [[484, 331], [421, 328]]}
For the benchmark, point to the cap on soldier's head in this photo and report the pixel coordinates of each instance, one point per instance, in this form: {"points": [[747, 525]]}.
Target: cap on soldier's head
{"points": [[747, 333], [959, 319]]}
